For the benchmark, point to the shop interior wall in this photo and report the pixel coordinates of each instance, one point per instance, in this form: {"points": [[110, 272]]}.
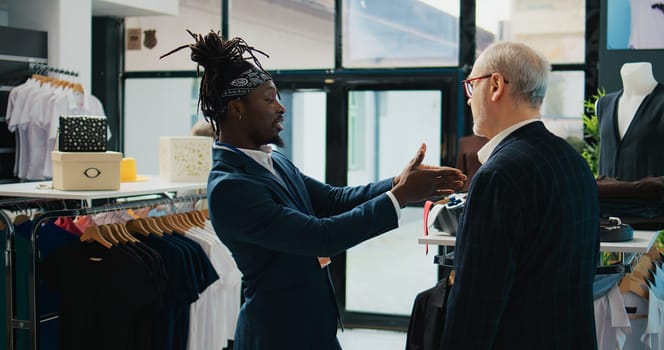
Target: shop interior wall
{"points": [[69, 27], [617, 22], [155, 107]]}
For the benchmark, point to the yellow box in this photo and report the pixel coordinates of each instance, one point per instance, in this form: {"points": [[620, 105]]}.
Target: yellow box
{"points": [[77, 171], [185, 158]]}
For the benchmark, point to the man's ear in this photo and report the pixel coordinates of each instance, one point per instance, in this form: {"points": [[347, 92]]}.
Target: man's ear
{"points": [[498, 86], [234, 106]]}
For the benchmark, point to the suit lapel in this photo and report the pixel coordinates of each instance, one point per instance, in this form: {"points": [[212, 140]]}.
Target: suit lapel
{"points": [[250, 167], [289, 177]]}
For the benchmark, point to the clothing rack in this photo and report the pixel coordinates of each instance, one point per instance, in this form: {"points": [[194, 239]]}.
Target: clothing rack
{"points": [[41, 68], [130, 197]]}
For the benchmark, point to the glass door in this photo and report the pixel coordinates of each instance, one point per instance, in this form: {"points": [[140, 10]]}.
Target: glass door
{"points": [[385, 129]]}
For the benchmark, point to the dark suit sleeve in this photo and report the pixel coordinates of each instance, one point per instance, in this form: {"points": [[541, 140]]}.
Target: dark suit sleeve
{"points": [[328, 200], [484, 264], [248, 212]]}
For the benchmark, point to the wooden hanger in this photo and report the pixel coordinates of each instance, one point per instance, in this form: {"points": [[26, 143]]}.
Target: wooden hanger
{"points": [[152, 227], [115, 231], [189, 219], [108, 235], [92, 233], [177, 218], [78, 88], [128, 234], [197, 218], [177, 227], [121, 232], [630, 283], [21, 218], [135, 226], [157, 225]]}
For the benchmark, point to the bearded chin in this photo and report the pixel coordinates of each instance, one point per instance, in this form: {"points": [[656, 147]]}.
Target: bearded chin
{"points": [[277, 141]]}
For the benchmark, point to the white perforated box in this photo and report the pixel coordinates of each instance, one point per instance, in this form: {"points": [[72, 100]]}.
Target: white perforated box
{"points": [[185, 158]]}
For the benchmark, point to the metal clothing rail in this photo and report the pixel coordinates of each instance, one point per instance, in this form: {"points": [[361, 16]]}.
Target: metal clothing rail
{"points": [[33, 321], [41, 68]]}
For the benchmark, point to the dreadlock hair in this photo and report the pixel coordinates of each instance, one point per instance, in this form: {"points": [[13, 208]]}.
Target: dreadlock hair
{"points": [[222, 61]]}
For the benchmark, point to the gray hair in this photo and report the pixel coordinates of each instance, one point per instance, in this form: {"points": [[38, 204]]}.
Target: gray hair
{"points": [[525, 69]]}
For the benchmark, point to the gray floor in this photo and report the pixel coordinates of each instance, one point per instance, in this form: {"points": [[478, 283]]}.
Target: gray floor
{"points": [[370, 339]]}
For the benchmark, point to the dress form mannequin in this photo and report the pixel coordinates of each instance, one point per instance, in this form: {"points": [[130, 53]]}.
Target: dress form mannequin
{"points": [[631, 125], [638, 81]]}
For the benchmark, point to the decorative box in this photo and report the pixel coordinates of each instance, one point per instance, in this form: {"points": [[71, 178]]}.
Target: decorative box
{"points": [[82, 133], [185, 158], [86, 170]]}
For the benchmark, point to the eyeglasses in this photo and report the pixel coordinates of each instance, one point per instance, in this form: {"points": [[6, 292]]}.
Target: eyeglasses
{"points": [[469, 87]]}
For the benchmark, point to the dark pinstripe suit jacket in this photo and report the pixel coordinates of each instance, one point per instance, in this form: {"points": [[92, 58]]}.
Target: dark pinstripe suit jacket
{"points": [[527, 248], [275, 233]]}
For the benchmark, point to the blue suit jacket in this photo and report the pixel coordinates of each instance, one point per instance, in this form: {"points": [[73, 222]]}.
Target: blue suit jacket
{"points": [[275, 235], [526, 249]]}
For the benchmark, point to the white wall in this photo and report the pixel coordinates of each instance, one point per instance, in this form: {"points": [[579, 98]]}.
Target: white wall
{"points": [[153, 108], [69, 27], [294, 40], [170, 34], [123, 8]]}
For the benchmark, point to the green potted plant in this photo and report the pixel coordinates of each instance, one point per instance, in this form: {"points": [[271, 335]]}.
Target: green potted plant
{"points": [[590, 151]]}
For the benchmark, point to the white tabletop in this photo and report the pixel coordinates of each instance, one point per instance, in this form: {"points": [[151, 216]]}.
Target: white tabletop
{"points": [[127, 189], [642, 242]]}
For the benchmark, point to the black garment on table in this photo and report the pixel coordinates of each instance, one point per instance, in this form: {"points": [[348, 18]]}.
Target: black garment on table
{"points": [[638, 154], [427, 320], [102, 292]]}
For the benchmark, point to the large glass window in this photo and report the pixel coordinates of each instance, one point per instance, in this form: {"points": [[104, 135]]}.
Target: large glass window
{"points": [[563, 105], [156, 107], [402, 33], [384, 274], [304, 130], [297, 34], [554, 27]]}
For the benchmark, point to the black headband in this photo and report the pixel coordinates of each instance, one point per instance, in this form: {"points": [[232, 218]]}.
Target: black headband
{"points": [[245, 83]]}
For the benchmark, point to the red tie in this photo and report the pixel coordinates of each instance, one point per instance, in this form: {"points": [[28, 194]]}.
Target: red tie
{"points": [[427, 208]]}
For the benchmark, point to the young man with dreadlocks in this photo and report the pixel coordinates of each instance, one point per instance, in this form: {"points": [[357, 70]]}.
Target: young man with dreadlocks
{"points": [[275, 220]]}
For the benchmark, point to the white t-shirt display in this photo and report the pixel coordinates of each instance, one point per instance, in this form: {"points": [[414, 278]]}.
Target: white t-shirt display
{"points": [[33, 111], [213, 317], [611, 321]]}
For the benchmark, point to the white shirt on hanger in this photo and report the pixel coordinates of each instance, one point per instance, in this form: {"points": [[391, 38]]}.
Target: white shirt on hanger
{"points": [[205, 316], [611, 320]]}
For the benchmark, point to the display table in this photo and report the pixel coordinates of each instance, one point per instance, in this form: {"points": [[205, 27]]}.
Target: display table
{"points": [[152, 185], [630, 250], [642, 242]]}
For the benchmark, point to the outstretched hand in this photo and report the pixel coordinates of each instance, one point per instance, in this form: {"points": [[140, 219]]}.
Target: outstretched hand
{"points": [[418, 182]]}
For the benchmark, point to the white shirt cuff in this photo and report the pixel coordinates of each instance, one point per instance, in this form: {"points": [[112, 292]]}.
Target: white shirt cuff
{"points": [[395, 202]]}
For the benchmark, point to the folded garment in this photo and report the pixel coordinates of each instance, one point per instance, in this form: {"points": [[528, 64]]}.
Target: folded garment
{"points": [[646, 189]]}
